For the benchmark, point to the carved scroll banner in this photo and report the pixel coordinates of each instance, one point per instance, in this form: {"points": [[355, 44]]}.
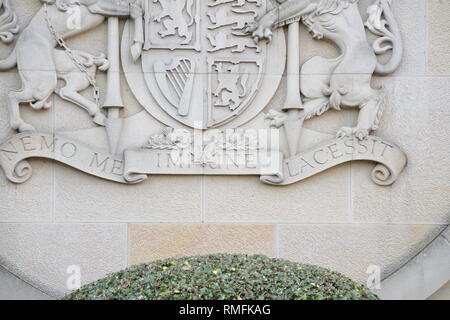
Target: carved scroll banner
{"points": [[391, 160], [142, 162], [15, 152], [138, 164]]}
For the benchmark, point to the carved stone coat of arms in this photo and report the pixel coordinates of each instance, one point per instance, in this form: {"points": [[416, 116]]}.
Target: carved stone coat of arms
{"points": [[207, 70]]}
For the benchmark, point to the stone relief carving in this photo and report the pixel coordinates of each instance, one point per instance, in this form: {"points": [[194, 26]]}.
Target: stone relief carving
{"points": [[176, 82], [170, 67], [239, 19], [176, 23], [186, 148], [33, 53], [204, 69], [236, 3], [346, 80], [173, 24], [75, 82]]}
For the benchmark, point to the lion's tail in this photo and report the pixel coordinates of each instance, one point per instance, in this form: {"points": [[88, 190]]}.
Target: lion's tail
{"points": [[189, 4], [383, 24]]}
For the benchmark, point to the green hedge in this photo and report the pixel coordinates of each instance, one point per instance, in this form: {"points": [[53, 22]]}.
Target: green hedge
{"points": [[231, 277]]}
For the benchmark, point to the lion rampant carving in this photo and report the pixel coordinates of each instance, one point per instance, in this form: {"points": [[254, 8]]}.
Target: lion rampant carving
{"points": [[344, 81]]}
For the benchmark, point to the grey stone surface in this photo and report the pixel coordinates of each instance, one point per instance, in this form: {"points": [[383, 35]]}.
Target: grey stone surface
{"points": [[338, 219], [34, 201], [442, 294], [425, 274], [163, 199], [13, 288], [439, 37], [421, 128], [352, 248], [41, 253]]}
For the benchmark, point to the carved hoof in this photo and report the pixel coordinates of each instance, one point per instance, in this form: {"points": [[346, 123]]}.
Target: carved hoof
{"points": [[100, 119]]}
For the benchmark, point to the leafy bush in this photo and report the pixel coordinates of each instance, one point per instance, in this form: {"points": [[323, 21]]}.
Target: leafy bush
{"points": [[231, 277]]}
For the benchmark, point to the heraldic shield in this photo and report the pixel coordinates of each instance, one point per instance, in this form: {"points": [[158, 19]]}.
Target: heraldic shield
{"points": [[200, 66]]}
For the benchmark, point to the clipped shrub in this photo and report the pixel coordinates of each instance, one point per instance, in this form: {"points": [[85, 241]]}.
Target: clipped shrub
{"points": [[230, 277]]}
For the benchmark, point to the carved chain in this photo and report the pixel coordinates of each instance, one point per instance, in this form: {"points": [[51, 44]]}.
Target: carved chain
{"points": [[72, 56]]}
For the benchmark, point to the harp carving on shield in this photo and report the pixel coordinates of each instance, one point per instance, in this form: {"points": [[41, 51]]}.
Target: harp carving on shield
{"points": [[176, 80]]}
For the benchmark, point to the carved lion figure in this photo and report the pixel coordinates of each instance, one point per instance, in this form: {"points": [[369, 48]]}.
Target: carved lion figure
{"points": [[344, 81]]}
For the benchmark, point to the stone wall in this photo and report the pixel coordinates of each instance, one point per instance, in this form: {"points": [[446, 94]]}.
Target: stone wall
{"points": [[337, 219]]}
